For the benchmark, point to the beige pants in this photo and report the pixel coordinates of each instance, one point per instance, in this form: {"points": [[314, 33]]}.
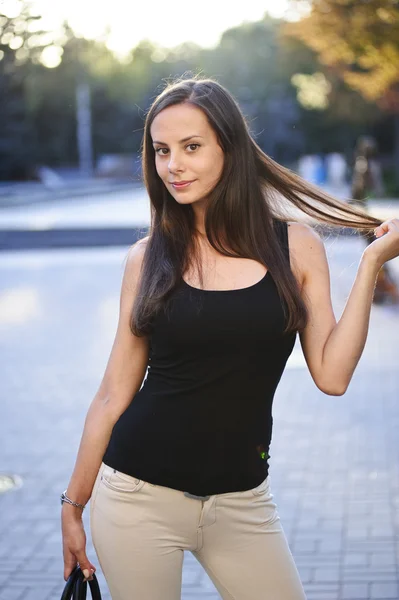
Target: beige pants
{"points": [[140, 531]]}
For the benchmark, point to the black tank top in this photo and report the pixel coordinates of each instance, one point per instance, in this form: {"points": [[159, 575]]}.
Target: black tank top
{"points": [[202, 420]]}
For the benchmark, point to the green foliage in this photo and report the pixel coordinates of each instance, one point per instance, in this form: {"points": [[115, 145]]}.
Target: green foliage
{"points": [[360, 40], [391, 185], [22, 41], [255, 61]]}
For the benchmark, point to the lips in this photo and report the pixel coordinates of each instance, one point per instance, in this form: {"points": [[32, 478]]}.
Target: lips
{"points": [[181, 184]]}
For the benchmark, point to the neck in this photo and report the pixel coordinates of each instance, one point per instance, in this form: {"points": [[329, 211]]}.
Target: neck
{"points": [[199, 215]]}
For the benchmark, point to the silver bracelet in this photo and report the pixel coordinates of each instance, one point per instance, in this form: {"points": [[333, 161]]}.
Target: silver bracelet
{"points": [[64, 498]]}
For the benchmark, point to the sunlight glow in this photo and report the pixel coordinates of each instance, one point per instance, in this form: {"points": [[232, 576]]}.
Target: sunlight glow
{"points": [[10, 8], [18, 306], [168, 24], [312, 91], [51, 56]]}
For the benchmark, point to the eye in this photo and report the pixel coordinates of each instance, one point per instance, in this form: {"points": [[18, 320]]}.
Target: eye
{"points": [[193, 145], [158, 151]]}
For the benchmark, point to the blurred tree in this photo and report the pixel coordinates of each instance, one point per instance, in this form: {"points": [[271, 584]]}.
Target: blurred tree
{"points": [[259, 64], [53, 103], [332, 115], [360, 42], [254, 61], [22, 43], [248, 62]]}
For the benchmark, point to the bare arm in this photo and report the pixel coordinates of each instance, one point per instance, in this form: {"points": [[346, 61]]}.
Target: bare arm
{"points": [[123, 377], [346, 342], [332, 350]]}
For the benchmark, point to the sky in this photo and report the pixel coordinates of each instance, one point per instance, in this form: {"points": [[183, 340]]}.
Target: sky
{"points": [[168, 23]]}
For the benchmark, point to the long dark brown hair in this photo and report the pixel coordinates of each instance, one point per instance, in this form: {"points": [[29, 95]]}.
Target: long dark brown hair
{"points": [[252, 191]]}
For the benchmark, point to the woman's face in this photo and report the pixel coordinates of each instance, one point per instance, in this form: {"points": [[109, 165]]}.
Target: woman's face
{"points": [[187, 152]]}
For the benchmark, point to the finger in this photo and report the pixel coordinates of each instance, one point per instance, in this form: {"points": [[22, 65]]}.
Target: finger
{"points": [[380, 230], [70, 563], [88, 574], [386, 226], [86, 566]]}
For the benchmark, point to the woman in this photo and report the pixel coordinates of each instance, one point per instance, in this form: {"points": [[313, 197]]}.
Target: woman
{"points": [[211, 302]]}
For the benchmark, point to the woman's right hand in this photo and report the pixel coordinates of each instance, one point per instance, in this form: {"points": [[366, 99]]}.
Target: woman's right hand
{"points": [[74, 542]]}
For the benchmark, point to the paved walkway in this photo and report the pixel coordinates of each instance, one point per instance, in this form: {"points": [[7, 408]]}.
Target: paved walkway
{"points": [[334, 466], [124, 208]]}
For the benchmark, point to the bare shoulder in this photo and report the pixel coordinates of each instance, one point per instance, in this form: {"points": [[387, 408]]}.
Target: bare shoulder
{"points": [[300, 234], [306, 249], [136, 252], [134, 260]]}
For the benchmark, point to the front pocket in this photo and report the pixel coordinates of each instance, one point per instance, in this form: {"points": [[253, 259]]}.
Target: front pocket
{"points": [[119, 500], [120, 482]]}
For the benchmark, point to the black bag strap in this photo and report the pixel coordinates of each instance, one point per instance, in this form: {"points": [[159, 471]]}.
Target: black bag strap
{"points": [[76, 588], [70, 584], [80, 589], [95, 588]]}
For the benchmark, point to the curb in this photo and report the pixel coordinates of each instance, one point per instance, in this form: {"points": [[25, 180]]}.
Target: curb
{"points": [[24, 239], [69, 238], [49, 196]]}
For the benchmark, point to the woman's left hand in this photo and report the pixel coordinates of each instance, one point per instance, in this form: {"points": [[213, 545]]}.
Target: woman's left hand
{"points": [[386, 246]]}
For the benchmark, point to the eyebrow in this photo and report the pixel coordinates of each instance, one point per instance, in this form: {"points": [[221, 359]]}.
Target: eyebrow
{"points": [[181, 141]]}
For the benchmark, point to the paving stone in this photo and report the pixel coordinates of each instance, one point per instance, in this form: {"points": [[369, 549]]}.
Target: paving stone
{"points": [[321, 595], [8, 593], [368, 575], [305, 573], [355, 591], [330, 574], [357, 534], [196, 595], [382, 560], [321, 591], [334, 464], [356, 560], [300, 546], [331, 525], [384, 591], [377, 546], [191, 576], [328, 546], [318, 560], [380, 532]]}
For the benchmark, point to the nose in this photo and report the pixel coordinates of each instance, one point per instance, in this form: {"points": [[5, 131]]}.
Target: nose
{"points": [[175, 164]]}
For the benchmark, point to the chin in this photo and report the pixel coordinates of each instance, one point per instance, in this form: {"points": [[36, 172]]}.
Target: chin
{"points": [[186, 199]]}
